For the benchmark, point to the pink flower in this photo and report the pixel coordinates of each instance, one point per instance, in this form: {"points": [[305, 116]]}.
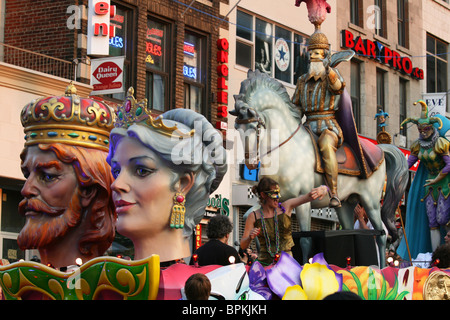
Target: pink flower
{"points": [[317, 10]]}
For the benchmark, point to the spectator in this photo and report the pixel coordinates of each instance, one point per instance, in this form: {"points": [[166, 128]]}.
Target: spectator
{"points": [[441, 256], [197, 287], [216, 250]]}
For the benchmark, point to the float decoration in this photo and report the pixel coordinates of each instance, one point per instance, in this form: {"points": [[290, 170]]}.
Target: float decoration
{"points": [[430, 189], [258, 280], [102, 278], [68, 119]]}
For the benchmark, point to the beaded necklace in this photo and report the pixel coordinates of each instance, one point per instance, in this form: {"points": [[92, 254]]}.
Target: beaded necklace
{"points": [[277, 235]]}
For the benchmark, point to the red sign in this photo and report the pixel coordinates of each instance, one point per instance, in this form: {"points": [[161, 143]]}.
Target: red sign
{"points": [[107, 76], [107, 72], [406, 152], [378, 51], [222, 72], [198, 236]]}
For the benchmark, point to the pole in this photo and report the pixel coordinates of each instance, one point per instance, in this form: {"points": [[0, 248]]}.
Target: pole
{"points": [[406, 239]]}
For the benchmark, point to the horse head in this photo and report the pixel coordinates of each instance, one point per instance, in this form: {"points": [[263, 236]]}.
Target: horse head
{"points": [[259, 99], [249, 125]]}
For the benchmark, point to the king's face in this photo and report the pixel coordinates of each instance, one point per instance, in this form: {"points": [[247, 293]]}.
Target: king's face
{"points": [[48, 180]]}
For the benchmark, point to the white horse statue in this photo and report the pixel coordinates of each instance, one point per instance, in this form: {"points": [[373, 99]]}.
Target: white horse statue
{"points": [[272, 133]]}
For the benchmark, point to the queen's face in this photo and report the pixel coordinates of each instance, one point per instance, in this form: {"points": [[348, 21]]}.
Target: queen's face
{"points": [[141, 191]]}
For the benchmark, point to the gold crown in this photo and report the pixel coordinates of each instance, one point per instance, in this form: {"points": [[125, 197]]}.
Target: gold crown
{"points": [[318, 40], [68, 119], [134, 112]]}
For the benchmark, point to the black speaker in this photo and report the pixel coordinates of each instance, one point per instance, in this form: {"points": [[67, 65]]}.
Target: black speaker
{"points": [[337, 245]]}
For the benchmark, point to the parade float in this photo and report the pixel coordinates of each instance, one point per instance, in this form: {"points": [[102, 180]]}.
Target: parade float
{"points": [[99, 277]]}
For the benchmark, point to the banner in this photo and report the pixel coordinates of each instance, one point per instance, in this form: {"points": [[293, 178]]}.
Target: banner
{"points": [[107, 75], [436, 102]]}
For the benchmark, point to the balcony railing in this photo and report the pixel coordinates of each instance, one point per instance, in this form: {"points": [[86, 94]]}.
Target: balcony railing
{"points": [[37, 61]]}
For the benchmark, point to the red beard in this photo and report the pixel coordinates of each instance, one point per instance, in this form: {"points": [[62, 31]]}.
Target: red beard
{"points": [[48, 225]]}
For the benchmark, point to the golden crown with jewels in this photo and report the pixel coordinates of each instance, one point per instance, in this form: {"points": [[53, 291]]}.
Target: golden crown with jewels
{"points": [[68, 119], [134, 112]]}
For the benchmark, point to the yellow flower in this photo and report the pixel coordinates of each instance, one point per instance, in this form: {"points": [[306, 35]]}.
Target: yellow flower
{"points": [[295, 293], [318, 281]]}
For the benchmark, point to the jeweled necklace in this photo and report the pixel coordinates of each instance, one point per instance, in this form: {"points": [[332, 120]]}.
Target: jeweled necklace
{"points": [[266, 235]]}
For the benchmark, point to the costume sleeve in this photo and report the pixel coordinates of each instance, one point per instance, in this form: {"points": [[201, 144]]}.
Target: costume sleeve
{"points": [[296, 96], [446, 169], [413, 157], [442, 146], [415, 148], [341, 79]]}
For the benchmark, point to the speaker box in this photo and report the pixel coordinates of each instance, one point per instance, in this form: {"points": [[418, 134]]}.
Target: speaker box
{"points": [[337, 245]]}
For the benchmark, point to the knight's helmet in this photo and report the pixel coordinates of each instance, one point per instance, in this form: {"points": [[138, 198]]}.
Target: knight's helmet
{"points": [[318, 40], [424, 120]]}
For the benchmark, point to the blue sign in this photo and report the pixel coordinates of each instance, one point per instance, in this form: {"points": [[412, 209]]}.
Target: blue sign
{"points": [[247, 174], [190, 72]]}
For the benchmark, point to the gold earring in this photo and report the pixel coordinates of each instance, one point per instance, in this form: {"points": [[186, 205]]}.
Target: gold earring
{"points": [[178, 211]]}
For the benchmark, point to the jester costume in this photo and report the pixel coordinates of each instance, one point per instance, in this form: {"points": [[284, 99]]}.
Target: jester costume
{"points": [[434, 156]]}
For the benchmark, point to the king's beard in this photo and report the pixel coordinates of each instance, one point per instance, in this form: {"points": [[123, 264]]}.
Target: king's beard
{"points": [[316, 69], [49, 225]]}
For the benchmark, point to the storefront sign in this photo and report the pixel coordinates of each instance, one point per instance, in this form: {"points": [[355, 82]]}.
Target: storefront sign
{"points": [[282, 55], [222, 72], [198, 236], [107, 75], [247, 174], [154, 45], [436, 102], [379, 52], [99, 28], [219, 203]]}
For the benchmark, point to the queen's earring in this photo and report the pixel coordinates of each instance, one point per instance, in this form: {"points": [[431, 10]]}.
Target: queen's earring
{"points": [[178, 211]]}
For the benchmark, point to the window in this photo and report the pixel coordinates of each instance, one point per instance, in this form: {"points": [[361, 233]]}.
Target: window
{"points": [[356, 12], [270, 48], [380, 18], [244, 32], [437, 64], [301, 60], [156, 62], [121, 45], [355, 91], [263, 46], [380, 93], [11, 222], [402, 23], [194, 71], [402, 104]]}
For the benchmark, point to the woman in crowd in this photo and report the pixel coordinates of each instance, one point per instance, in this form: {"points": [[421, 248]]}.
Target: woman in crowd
{"points": [[274, 235]]}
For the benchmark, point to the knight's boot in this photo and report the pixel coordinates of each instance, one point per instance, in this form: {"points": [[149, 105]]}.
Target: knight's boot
{"points": [[328, 146]]}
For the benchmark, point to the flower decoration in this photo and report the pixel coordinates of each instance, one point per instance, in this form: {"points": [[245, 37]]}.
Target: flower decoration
{"points": [[284, 274], [258, 280], [370, 284], [318, 279], [315, 280]]}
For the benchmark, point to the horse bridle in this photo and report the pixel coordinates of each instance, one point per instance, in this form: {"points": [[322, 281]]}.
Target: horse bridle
{"points": [[260, 123]]}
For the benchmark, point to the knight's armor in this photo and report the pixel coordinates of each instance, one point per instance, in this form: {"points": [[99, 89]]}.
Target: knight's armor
{"points": [[318, 97], [319, 102]]}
